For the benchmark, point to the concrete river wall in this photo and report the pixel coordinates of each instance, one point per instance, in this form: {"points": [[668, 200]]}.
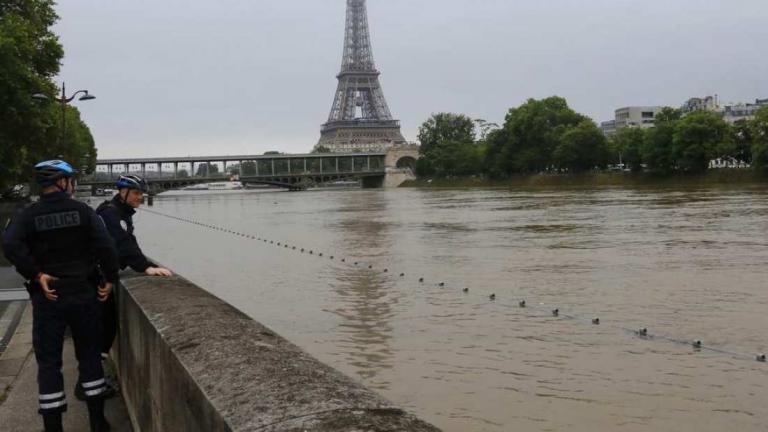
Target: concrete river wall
{"points": [[190, 362]]}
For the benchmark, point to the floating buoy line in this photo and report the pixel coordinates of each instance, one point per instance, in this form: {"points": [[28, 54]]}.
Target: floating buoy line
{"points": [[552, 311]]}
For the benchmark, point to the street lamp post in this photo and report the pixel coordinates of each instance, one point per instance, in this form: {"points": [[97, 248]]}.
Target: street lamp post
{"points": [[64, 100]]}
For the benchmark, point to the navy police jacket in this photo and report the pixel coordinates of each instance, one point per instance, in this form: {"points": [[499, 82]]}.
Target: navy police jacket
{"points": [[118, 217], [61, 237]]}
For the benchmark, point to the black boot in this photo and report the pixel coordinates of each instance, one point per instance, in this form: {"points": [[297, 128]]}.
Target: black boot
{"points": [[52, 422], [96, 415]]}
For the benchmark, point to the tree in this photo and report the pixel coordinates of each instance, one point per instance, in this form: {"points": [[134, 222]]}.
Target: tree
{"points": [[207, 169], [30, 56], [248, 168], [531, 133], [698, 138], [658, 143], [627, 146], [321, 149], [448, 146], [581, 148], [182, 174], [445, 127], [741, 139], [759, 129], [272, 152]]}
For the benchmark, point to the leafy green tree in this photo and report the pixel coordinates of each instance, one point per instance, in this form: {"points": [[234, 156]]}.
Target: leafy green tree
{"points": [[741, 138], [182, 174], [30, 130], [321, 149], [448, 146], [581, 148], [248, 168], [445, 127], [698, 138], [759, 129], [627, 147], [207, 169], [657, 148], [530, 135]]}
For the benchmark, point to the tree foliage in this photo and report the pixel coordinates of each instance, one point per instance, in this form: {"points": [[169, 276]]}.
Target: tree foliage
{"points": [[448, 146], [759, 131], [533, 139], [31, 130], [698, 138]]}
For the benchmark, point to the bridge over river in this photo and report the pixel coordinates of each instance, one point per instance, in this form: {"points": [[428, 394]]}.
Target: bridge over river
{"points": [[291, 171]]}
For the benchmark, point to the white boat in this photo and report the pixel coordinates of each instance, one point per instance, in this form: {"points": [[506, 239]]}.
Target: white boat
{"points": [[218, 186]]}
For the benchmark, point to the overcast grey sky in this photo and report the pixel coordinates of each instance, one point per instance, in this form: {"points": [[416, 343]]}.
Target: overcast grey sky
{"points": [[193, 77]]}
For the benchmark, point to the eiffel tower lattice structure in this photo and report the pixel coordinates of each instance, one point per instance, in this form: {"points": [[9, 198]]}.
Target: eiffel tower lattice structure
{"points": [[360, 119]]}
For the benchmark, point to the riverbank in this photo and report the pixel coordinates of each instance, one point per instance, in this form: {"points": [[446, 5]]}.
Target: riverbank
{"points": [[712, 178]]}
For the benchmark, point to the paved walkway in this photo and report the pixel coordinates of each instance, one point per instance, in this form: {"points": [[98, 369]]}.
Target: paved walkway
{"points": [[18, 388]]}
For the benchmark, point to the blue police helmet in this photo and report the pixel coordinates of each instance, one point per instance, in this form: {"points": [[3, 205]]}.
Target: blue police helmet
{"points": [[47, 173], [132, 182]]}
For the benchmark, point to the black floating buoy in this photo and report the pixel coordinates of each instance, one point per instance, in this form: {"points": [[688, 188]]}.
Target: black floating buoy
{"points": [[421, 280], [279, 244], [522, 304], [286, 246], [596, 321], [343, 260], [761, 358], [320, 254], [441, 284], [294, 248], [386, 270], [311, 253], [331, 256], [302, 250], [370, 266], [697, 344], [556, 312], [402, 274], [356, 263], [642, 332], [465, 290], [272, 242], [492, 297]]}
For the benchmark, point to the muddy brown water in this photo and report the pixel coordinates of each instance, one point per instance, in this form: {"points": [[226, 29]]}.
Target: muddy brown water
{"points": [[689, 264]]}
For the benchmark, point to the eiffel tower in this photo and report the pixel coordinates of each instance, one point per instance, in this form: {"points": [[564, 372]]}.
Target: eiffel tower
{"points": [[360, 119]]}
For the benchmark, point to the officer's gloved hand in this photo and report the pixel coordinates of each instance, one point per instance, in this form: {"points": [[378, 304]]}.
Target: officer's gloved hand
{"points": [[158, 271]]}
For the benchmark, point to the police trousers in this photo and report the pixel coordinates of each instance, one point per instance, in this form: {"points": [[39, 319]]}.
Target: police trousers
{"points": [[77, 307]]}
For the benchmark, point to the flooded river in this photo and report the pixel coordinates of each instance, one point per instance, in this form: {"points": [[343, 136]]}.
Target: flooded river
{"points": [[686, 264]]}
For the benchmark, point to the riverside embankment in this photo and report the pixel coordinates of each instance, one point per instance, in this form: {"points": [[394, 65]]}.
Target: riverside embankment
{"points": [[713, 179]]}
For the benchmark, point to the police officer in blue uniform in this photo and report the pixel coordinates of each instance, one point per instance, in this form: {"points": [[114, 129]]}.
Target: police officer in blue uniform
{"points": [[62, 248], [118, 218]]}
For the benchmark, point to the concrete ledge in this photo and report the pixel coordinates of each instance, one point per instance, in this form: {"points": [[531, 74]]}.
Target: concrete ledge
{"points": [[190, 362]]}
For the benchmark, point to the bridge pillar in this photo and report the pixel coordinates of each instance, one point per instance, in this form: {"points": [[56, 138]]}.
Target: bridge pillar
{"points": [[175, 170], [273, 167]]}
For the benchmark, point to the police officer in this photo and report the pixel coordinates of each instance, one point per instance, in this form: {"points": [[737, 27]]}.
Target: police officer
{"points": [[118, 218], [62, 248]]}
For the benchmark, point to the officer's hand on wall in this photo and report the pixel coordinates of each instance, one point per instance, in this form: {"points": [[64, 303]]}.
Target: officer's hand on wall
{"points": [[104, 291], [158, 271], [45, 281]]}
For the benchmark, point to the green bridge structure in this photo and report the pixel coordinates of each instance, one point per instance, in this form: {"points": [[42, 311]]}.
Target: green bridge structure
{"points": [[290, 171]]}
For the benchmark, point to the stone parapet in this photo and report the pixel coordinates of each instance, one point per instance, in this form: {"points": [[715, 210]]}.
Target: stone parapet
{"points": [[190, 362]]}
